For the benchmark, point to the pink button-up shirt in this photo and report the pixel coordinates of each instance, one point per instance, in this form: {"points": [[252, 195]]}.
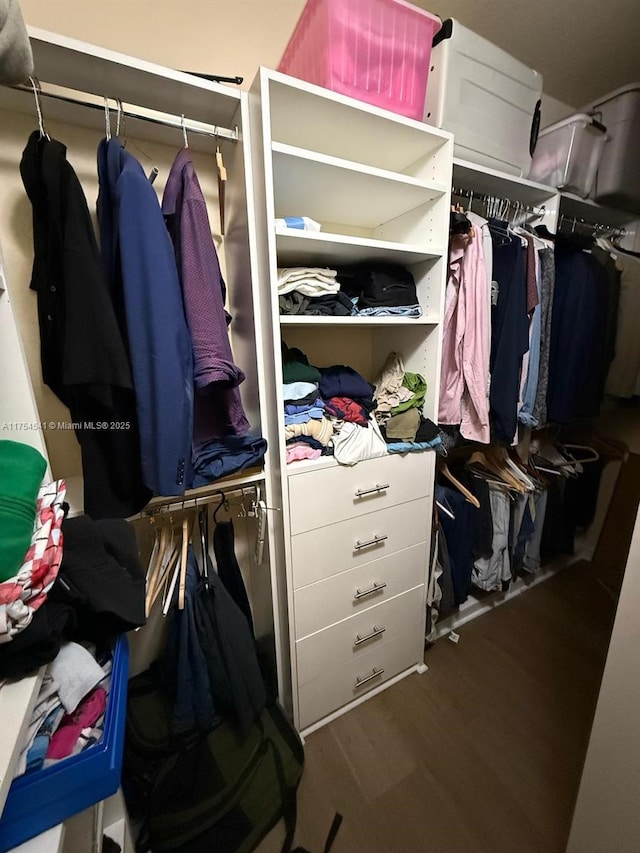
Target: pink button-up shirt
{"points": [[464, 376]]}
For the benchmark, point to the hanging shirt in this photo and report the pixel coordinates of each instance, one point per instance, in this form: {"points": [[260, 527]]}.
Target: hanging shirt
{"points": [[464, 375], [509, 331], [139, 259], [82, 343], [218, 406]]}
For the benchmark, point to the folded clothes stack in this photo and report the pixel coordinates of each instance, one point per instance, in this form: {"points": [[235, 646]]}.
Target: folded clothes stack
{"points": [[313, 291], [380, 290]]}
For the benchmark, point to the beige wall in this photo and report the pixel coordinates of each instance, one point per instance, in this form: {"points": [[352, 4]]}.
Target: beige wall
{"points": [[607, 816], [227, 37]]}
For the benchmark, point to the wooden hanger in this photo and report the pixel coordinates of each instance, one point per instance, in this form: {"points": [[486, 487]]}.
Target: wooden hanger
{"points": [[186, 538], [463, 489], [222, 184]]}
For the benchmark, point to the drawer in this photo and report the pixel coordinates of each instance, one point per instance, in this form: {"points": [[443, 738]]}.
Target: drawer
{"points": [[342, 684], [323, 553], [355, 637], [318, 498], [329, 601]]}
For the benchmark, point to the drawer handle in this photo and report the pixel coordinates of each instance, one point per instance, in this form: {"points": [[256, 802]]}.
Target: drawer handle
{"points": [[375, 541], [375, 588], [359, 682], [375, 633], [377, 488]]}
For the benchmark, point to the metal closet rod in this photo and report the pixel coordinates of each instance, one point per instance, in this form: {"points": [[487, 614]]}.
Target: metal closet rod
{"points": [[97, 102], [574, 222], [486, 198], [219, 496]]}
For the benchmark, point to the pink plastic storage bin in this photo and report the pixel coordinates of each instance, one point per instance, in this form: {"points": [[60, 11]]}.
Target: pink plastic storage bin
{"points": [[375, 50]]}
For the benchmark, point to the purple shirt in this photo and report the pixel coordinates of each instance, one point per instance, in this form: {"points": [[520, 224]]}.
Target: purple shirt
{"points": [[216, 376]]}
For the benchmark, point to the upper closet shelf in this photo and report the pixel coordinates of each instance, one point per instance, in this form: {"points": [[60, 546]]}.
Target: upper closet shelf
{"points": [[584, 208], [488, 181], [302, 248], [66, 64], [348, 128], [330, 189]]}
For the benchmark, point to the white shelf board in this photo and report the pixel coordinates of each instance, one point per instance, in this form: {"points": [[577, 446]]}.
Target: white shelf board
{"points": [[481, 179], [585, 208], [345, 127], [70, 64], [330, 189], [302, 320], [17, 700], [90, 68], [296, 247]]}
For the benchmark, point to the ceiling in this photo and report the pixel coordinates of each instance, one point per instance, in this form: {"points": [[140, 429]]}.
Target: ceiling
{"points": [[583, 48]]}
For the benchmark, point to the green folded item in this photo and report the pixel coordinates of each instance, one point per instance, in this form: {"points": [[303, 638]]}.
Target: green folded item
{"points": [[22, 468], [296, 367], [418, 385], [403, 427]]}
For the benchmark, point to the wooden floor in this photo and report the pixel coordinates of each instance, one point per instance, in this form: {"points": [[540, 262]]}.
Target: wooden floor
{"points": [[483, 753]]}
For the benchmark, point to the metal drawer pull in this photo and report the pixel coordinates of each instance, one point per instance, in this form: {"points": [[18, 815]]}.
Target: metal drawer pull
{"points": [[359, 682], [375, 633], [375, 588], [375, 541], [377, 488]]}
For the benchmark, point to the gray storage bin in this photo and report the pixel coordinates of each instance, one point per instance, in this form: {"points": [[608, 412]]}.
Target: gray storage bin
{"points": [[568, 154], [618, 178]]}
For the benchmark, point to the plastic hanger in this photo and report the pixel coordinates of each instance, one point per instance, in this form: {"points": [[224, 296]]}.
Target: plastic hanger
{"points": [[224, 503]]}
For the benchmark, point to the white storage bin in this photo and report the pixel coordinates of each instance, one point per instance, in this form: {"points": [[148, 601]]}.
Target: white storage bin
{"points": [[618, 178], [568, 153], [485, 97]]}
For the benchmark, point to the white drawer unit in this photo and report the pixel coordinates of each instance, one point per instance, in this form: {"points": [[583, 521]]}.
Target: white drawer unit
{"points": [[354, 538], [352, 638], [341, 683], [322, 553], [341, 596], [320, 498]]}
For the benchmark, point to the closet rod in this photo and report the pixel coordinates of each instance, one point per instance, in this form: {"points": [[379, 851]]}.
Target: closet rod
{"points": [[574, 222], [218, 496], [97, 102], [485, 198]]}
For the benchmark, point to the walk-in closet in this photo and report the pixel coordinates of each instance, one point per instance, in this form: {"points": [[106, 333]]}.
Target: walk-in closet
{"points": [[319, 428]]}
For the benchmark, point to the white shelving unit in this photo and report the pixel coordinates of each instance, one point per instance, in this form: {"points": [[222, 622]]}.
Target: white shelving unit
{"points": [[379, 184]]}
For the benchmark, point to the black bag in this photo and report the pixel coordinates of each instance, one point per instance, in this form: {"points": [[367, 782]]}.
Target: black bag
{"points": [[222, 791]]}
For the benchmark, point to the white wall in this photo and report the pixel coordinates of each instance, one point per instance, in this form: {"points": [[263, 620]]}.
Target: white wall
{"points": [[607, 815]]}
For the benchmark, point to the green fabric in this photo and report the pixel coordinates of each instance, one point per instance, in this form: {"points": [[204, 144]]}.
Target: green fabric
{"points": [[403, 427], [417, 384], [296, 367], [21, 471]]}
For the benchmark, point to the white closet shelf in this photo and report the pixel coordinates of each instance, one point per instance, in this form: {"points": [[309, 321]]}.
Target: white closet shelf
{"points": [[295, 247], [65, 63], [433, 188], [346, 127], [481, 179], [585, 208], [330, 189], [302, 320]]}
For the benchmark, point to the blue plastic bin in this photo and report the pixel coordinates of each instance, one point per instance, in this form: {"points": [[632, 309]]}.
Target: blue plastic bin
{"points": [[40, 800]]}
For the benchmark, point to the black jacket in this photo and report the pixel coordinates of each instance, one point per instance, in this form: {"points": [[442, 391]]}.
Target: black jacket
{"points": [[82, 346]]}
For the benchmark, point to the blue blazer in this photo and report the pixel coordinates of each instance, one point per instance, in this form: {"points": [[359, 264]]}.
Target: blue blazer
{"points": [[141, 268]]}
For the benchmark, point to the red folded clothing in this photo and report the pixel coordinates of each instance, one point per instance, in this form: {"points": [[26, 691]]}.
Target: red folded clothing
{"points": [[346, 409]]}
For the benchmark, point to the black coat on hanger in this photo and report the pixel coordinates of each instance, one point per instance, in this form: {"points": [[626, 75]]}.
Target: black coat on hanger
{"points": [[82, 348]]}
